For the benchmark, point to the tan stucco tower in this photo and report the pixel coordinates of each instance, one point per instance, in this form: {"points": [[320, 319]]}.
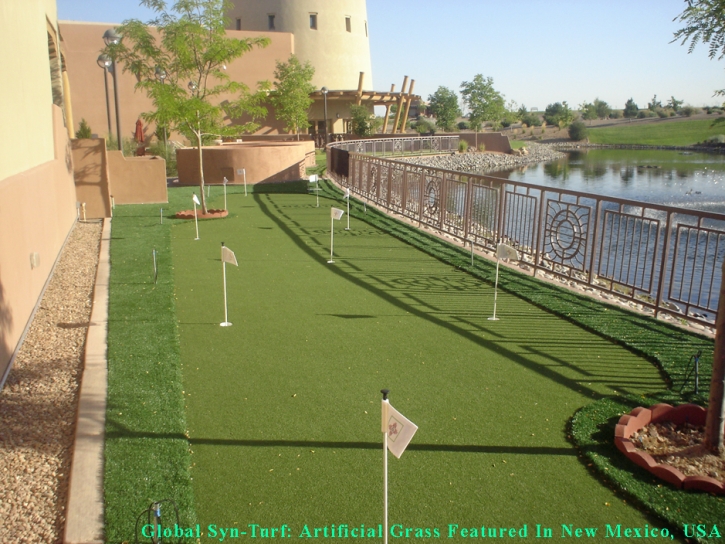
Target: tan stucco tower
{"points": [[331, 35]]}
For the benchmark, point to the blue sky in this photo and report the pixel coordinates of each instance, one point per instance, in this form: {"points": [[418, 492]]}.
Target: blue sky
{"points": [[537, 51]]}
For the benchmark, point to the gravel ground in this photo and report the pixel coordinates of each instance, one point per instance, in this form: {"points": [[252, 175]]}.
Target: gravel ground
{"points": [[488, 162], [38, 404]]}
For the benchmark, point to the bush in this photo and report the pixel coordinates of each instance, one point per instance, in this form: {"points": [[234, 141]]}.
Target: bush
{"points": [[84, 131], [662, 113], [578, 131], [424, 126], [616, 114], [482, 147], [689, 111], [531, 120], [717, 139], [462, 146], [463, 125]]}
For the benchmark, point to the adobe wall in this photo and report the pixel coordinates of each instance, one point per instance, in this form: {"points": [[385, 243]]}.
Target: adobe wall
{"points": [[494, 141], [37, 209], [137, 180], [264, 162], [90, 167], [83, 42]]}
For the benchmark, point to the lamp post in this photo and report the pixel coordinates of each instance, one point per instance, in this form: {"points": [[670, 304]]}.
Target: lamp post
{"points": [[110, 37], [324, 94], [104, 61], [161, 76]]}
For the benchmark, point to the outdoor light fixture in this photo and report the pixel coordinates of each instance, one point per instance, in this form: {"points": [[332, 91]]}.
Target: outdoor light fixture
{"points": [[324, 94], [104, 61], [111, 37], [193, 86]]}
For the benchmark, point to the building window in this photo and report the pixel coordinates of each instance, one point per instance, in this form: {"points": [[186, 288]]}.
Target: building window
{"points": [[270, 21], [313, 21], [239, 24], [348, 24]]}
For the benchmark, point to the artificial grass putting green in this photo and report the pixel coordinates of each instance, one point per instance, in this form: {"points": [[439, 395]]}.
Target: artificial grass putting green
{"points": [[283, 407]]}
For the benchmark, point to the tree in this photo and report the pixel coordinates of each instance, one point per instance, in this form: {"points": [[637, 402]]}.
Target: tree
{"points": [[588, 111], [558, 114], [84, 130], [291, 96], [189, 48], [704, 22], [675, 104], [483, 102], [655, 104], [444, 107], [360, 120], [602, 108], [578, 131], [630, 109]]}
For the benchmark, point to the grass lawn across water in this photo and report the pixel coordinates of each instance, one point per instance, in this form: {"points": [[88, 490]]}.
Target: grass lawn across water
{"points": [[283, 408]]}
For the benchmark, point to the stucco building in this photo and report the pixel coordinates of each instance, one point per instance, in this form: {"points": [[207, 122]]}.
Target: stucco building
{"points": [[37, 194]]}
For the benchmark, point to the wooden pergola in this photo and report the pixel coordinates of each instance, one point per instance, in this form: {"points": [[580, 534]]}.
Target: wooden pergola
{"points": [[403, 99]]}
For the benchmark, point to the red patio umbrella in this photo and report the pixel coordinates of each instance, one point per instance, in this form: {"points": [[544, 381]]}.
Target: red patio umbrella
{"points": [[139, 132]]}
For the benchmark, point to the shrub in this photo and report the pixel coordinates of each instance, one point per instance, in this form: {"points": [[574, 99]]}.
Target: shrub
{"points": [[462, 146], [84, 131], [717, 139], [662, 113], [578, 131], [482, 147], [424, 126], [463, 125], [616, 114], [689, 111], [531, 120]]}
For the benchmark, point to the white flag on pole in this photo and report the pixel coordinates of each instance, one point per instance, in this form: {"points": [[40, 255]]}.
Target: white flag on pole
{"points": [[196, 200], [400, 431], [313, 178], [336, 213], [347, 193], [228, 256], [225, 181], [506, 252]]}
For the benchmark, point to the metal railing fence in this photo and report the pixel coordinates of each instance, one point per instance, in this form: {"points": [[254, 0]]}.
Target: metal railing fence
{"points": [[659, 259]]}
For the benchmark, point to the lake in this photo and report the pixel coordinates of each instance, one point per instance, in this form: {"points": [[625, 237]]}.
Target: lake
{"points": [[672, 178]]}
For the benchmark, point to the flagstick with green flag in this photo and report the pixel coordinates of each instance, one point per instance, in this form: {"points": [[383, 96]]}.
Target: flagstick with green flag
{"points": [[227, 257], [347, 197], [196, 221], [335, 213], [502, 252], [397, 434]]}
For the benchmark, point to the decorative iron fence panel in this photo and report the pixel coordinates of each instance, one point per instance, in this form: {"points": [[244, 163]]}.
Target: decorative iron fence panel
{"points": [[658, 258]]}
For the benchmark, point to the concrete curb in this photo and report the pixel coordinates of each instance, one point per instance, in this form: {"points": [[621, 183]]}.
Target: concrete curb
{"points": [[84, 512]]}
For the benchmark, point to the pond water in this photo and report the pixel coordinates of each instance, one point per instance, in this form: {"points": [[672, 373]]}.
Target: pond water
{"points": [[672, 178]]}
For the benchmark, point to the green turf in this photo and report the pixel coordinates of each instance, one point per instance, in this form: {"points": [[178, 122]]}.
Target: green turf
{"points": [[146, 455], [671, 132], [283, 407]]}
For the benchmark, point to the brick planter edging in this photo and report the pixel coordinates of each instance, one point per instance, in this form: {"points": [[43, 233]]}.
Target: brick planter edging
{"points": [[211, 214], [641, 417]]}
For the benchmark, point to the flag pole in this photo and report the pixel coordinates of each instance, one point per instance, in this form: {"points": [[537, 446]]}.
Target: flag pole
{"points": [[244, 173], [196, 221], [224, 275], [495, 294], [332, 231], [225, 193], [348, 209], [384, 428]]}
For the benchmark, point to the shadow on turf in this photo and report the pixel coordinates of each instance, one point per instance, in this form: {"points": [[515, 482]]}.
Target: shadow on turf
{"points": [[430, 313]]}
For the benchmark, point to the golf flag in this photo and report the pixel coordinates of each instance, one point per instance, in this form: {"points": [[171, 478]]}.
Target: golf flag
{"points": [[347, 193], [313, 178], [228, 256], [400, 430], [225, 180], [196, 200], [336, 213], [506, 252]]}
